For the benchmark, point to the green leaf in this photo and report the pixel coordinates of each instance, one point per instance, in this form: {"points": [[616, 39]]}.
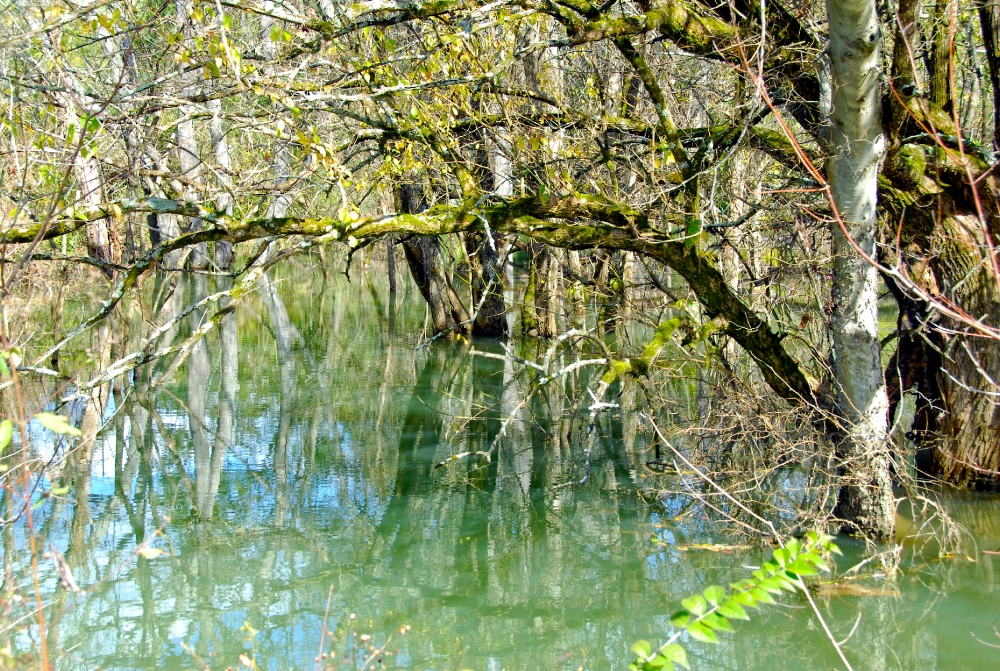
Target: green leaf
{"points": [[693, 231], [680, 619], [781, 555], [675, 653], [817, 561], [732, 609], [660, 662], [762, 596], [641, 648], [745, 599], [714, 594], [6, 433], [700, 632], [717, 622], [695, 605], [57, 424], [772, 585], [543, 194], [801, 567]]}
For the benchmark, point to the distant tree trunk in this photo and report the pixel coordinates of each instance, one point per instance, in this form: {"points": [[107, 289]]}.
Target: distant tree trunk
{"points": [[939, 55], [223, 201], [616, 307], [482, 248], [989, 21], [576, 292], [529, 317], [485, 275], [188, 155], [545, 262], [390, 250], [543, 75], [423, 256], [281, 158], [856, 147], [102, 240]]}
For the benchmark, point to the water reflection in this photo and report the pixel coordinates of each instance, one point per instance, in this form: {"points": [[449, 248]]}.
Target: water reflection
{"points": [[294, 450]]}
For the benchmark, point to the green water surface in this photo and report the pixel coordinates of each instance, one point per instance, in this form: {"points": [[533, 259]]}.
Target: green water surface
{"points": [[294, 452]]}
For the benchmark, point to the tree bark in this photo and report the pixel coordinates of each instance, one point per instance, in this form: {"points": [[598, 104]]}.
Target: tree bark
{"points": [[423, 256], [482, 248], [939, 56], [856, 147], [223, 201], [188, 155], [989, 21]]}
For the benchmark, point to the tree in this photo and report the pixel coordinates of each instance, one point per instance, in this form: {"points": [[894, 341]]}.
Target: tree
{"points": [[597, 129]]}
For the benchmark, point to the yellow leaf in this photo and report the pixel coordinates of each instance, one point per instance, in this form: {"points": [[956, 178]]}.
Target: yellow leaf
{"points": [[147, 552]]}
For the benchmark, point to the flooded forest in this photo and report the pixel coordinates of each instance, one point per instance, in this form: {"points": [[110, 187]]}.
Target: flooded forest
{"points": [[524, 334]]}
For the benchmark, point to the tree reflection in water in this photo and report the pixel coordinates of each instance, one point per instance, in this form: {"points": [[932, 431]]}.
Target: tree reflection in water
{"points": [[294, 449]]}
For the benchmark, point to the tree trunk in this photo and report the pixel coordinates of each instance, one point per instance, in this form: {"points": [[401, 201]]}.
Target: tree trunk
{"points": [[487, 285], [188, 155], [102, 239], [576, 292], [482, 248], [989, 20], [423, 256], [969, 452], [856, 146], [547, 295], [939, 56], [223, 201]]}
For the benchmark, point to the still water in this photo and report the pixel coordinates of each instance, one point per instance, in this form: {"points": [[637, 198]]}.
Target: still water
{"points": [[286, 470]]}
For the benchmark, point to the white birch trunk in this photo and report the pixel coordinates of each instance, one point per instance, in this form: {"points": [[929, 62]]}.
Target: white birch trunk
{"points": [[856, 147], [188, 156], [223, 201]]}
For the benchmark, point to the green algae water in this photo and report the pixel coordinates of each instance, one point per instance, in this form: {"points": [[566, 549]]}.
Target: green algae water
{"points": [[284, 487]]}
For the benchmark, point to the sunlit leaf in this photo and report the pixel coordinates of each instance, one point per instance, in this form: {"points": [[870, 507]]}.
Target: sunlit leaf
{"points": [[801, 567], [659, 662], [6, 433], [695, 605], [680, 619], [675, 653], [641, 648], [702, 633], [57, 424], [714, 594], [717, 622], [731, 608], [147, 552], [745, 599], [817, 561]]}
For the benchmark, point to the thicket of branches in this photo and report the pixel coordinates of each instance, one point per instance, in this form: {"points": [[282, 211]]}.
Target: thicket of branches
{"points": [[703, 156]]}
